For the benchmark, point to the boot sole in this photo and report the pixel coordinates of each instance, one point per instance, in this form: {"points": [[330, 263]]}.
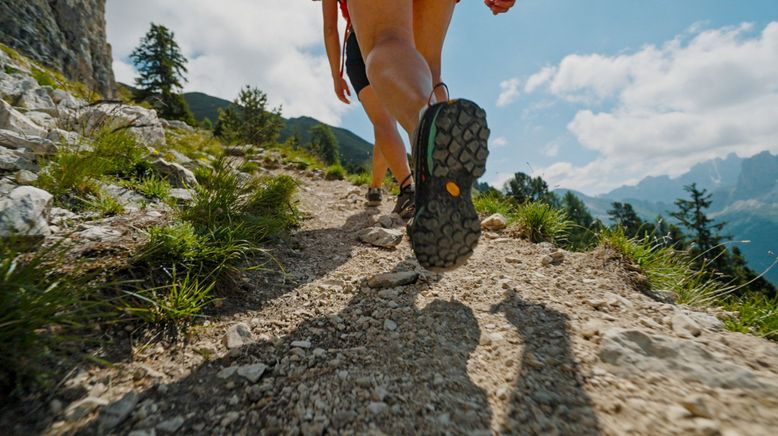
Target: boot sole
{"points": [[446, 228]]}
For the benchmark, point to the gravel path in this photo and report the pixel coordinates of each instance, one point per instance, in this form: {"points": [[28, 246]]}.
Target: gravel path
{"points": [[508, 344]]}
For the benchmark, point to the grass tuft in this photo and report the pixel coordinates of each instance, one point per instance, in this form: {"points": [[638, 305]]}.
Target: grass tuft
{"points": [[181, 300], [335, 172], [540, 222]]}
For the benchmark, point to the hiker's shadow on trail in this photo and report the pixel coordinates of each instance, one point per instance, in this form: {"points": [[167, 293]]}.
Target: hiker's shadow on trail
{"points": [[380, 363], [548, 397], [304, 257]]}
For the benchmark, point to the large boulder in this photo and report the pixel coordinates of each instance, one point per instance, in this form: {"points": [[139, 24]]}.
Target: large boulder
{"points": [[25, 213], [177, 175], [142, 123], [12, 119], [38, 99], [37, 145], [15, 160]]}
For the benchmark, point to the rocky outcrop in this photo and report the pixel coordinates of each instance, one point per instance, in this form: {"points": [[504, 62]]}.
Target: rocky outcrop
{"points": [[66, 35]]}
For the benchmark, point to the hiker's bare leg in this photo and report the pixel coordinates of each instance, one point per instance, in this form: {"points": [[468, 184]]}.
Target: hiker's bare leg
{"points": [[379, 168], [388, 141], [399, 73], [431, 19]]}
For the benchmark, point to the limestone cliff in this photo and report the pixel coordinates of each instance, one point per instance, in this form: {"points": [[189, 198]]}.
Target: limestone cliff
{"points": [[67, 35]]}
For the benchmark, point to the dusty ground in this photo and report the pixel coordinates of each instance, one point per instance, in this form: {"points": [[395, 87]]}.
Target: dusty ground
{"points": [[505, 345]]}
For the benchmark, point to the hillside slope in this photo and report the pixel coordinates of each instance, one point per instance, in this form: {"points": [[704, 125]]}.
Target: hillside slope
{"points": [[353, 149], [504, 345]]}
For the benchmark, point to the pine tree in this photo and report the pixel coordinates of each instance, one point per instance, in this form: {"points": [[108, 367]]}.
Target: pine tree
{"points": [[624, 215], [325, 144], [583, 234], [248, 120], [524, 188], [162, 70], [703, 233]]}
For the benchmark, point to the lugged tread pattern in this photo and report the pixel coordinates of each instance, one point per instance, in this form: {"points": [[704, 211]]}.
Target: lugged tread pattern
{"points": [[446, 228]]}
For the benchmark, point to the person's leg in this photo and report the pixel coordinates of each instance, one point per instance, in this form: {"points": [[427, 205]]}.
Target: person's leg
{"points": [[388, 142], [397, 71], [431, 19], [379, 167]]}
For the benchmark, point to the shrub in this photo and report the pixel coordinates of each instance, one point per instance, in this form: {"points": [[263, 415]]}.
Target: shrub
{"points": [[540, 222], [360, 179], [335, 172], [103, 204]]}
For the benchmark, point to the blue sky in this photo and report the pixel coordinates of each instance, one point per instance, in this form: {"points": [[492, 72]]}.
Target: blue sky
{"points": [[592, 94]]}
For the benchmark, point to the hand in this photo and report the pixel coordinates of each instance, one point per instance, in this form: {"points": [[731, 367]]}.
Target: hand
{"points": [[499, 6], [341, 89]]}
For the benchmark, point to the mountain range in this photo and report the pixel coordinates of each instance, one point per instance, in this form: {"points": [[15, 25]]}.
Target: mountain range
{"points": [[354, 150], [744, 196]]}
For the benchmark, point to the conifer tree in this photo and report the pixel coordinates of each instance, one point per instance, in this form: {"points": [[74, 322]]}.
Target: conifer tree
{"points": [[161, 68], [249, 120], [525, 188], [703, 232], [624, 215], [325, 144]]}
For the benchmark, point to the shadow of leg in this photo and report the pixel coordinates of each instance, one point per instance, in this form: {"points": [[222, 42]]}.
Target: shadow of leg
{"points": [[548, 397]]}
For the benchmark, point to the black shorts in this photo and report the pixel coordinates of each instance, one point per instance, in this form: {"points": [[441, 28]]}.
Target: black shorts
{"points": [[355, 65]]}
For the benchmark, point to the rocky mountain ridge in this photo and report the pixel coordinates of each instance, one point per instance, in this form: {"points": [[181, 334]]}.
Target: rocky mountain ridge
{"points": [[66, 35]]}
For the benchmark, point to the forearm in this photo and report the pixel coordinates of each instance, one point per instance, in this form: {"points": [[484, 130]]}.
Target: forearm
{"points": [[331, 35]]}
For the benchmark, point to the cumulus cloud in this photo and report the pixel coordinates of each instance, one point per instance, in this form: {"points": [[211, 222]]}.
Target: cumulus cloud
{"points": [[499, 142], [276, 46], [509, 92], [668, 107]]}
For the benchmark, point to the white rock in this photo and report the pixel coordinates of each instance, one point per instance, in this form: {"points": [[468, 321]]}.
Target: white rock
{"points": [[229, 418], [494, 222], [391, 221], [171, 425], [697, 406], [684, 326], [65, 100], [181, 195], [227, 372], [180, 125], [393, 279], [59, 136], [25, 212], [36, 144], [377, 408], [253, 372], [705, 321], [635, 352], [301, 344], [238, 335], [114, 414], [43, 119], [390, 325], [141, 123], [83, 407], [176, 174], [99, 234], [11, 119], [15, 160], [38, 99], [381, 237]]}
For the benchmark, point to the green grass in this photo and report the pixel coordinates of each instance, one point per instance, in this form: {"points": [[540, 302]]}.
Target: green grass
{"points": [[43, 77], [181, 300], [301, 158], [540, 222], [487, 204], [41, 312], [103, 203], [335, 172], [360, 179], [250, 167], [676, 272], [154, 187], [195, 145], [48, 77]]}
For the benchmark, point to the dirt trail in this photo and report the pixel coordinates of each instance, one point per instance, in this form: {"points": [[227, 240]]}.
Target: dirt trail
{"points": [[505, 345]]}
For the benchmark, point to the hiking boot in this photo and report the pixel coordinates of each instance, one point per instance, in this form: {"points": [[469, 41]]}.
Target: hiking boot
{"points": [[405, 206], [450, 155], [374, 197]]}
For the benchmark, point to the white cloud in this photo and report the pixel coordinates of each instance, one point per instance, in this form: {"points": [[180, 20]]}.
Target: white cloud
{"points": [[499, 142], [669, 107], [273, 45], [551, 149], [509, 92], [539, 79]]}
